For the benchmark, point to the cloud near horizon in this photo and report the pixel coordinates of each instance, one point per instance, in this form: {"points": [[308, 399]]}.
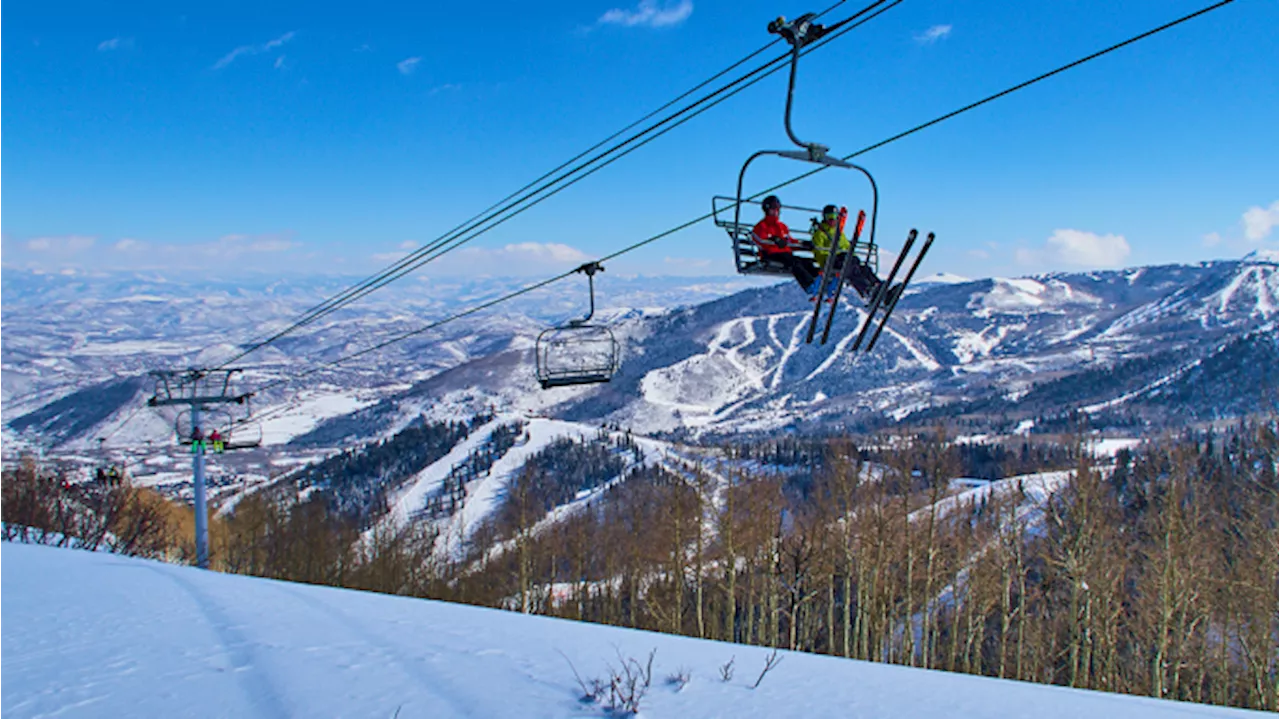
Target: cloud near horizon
{"points": [[53, 254], [648, 14], [522, 258], [933, 34], [1078, 248], [253, 49], [63, 245]]}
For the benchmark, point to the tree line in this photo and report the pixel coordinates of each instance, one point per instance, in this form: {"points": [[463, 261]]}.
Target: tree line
{"points": [[1157, 577]]}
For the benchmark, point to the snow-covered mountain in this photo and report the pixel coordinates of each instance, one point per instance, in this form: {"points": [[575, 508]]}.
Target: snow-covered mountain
{"points": [[1150, 345], [143, 638]]}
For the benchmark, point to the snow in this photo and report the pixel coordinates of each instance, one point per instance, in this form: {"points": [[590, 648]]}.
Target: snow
{"points": [[93, 635], [302, 415], [484, 495], [133, 347], [1109, 446], [1090, 409], [971, 345], [414, 495], [1038, 488], [941, 278], [1022, 296], [1269, 255]]}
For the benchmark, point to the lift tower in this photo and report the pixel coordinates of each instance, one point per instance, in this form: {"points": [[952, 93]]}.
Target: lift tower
{"points": [[197, 389]]}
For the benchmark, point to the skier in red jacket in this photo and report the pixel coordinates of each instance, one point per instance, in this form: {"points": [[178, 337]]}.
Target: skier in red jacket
{"points": [[774, 239]]}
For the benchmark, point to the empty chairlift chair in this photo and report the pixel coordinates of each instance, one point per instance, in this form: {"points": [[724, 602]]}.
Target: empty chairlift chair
{"points": [[577, 352]]}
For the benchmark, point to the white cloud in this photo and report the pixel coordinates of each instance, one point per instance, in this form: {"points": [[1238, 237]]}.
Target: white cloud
{"points": [[236, 245], [65, 245], [270, 44], [272, 246], [686, 262], [649, 14], [523, 259], [933, 34], [408, 65], [1212, 239], [279, 62], [545, 252], [1078, 248], [980, 254], [115, 43], [253, 50], [270, 251], [447, 87], [1259, 222]]}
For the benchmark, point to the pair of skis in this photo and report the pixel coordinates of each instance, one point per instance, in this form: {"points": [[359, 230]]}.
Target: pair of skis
{"points": [[826, 274], [879, 300], [887, 286]]}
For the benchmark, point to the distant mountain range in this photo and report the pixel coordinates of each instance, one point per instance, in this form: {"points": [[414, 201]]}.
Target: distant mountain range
{"points": [[1151, 347], [1143, 347]]}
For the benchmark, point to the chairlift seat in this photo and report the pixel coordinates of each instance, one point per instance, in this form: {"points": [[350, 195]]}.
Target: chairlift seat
{"points": [[576, 353], [235, 434], [746, 253]]}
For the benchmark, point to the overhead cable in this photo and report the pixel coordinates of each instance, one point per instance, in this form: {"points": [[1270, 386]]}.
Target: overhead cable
{"points": [[490, 219], [702, 218]]}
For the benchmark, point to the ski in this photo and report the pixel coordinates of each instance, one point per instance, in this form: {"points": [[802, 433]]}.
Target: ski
{"points": [[884, 289], [850, 258], [826, 274], [928, 242]]}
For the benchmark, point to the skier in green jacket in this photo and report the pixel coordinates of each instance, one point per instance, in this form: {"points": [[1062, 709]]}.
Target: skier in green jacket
{"points": [[860, 276], [823, 237]]}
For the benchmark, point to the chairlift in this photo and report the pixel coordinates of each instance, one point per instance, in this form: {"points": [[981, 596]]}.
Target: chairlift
{"points": [[748, 258], [577, 352], [233, 433]]}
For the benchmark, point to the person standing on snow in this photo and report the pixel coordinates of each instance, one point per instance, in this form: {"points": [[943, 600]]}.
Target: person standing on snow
{"points": [[774, 239]]}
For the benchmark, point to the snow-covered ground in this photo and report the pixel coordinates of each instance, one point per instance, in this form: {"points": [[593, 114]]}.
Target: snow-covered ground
{"points": [[98, 635]]}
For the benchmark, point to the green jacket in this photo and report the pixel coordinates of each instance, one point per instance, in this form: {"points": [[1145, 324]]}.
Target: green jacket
{"points": [[821, 236]]}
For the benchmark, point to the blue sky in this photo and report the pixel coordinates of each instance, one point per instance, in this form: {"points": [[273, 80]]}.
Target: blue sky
{"points": [[305, 138]]}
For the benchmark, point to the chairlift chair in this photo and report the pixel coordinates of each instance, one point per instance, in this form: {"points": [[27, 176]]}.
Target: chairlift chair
{"points": [[577, 352], [746, 253], [236, 433]]}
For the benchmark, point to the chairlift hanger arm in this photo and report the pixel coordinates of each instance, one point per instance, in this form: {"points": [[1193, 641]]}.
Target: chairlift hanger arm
{"points": [[798, 33], [589, 269]]}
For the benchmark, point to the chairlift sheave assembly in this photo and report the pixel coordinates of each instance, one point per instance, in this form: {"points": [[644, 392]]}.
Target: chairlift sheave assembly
{"points": [[577, 352], [882, 296]]}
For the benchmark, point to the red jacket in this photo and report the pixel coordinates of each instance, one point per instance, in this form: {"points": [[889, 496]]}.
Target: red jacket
{"points": [[768, 230]]}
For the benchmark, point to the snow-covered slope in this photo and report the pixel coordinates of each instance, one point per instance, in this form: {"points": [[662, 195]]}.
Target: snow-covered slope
{"points": [[98, 635], [1154, 345]]}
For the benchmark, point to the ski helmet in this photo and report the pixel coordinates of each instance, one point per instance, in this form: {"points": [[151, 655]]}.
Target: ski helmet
{"points": [[771, 203]]}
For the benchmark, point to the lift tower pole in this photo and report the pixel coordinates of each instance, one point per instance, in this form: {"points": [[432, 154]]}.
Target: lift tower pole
{"points": [[196, 388]]}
